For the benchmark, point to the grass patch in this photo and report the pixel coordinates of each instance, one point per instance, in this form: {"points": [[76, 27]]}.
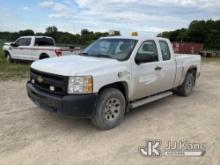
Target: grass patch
{"points": [[16, 70]]}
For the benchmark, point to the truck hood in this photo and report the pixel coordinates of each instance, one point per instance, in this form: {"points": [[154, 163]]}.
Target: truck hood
{"points": [[7, 43], [74, 65]]}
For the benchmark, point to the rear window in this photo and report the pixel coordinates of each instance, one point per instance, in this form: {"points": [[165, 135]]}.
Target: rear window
{"points": [[165, 50], [44, 42]]}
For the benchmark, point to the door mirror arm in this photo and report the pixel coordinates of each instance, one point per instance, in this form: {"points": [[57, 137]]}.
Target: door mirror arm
{"points": [[14, 44]]}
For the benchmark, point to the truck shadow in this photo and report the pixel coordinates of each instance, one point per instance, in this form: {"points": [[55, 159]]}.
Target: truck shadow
{"points": [[153, 107], [142, 113]]}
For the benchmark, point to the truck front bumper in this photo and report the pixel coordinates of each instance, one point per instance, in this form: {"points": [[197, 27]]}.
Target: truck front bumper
{"points": [[80, 106]]}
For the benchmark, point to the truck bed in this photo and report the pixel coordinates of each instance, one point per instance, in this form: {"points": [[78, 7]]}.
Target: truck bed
{"points": [[183, 63]]}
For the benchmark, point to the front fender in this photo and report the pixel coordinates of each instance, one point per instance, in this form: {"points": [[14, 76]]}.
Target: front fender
{"points": [[111, 78]]}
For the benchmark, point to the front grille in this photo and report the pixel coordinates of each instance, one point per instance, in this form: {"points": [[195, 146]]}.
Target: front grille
{"points": [[49, 80]]}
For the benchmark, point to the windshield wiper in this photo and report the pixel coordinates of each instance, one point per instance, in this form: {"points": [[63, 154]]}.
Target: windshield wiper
{"points": [[97, 55], [84, 53], [103, 55]]}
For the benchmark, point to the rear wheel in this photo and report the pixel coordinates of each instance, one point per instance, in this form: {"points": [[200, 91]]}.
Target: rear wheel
{"points": [[43, 56], [186, 88], [110, 109]]}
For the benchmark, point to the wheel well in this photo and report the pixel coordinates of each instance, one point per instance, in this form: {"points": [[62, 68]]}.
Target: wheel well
{"points": [[193, 70], [122, 86], [6, 52], [43, 55]]}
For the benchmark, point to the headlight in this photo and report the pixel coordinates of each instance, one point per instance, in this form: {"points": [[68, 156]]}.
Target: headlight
{"points": [[80, 85]]}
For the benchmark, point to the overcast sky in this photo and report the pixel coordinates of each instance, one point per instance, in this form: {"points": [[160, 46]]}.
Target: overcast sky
{"points": [[146, 17]]}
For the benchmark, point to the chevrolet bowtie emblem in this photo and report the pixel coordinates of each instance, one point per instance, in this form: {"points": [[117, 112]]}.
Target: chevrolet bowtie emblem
{"points": [[40, 79]]}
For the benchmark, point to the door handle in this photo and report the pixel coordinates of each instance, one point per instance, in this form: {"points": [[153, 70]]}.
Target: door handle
{"points": [[158, 68]]}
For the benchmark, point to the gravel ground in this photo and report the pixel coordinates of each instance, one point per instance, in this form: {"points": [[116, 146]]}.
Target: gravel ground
{"points": [[31, 136]]}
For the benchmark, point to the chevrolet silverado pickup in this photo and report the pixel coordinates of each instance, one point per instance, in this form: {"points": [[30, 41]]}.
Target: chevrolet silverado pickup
{"points": [[34, 48], [111, 76]]}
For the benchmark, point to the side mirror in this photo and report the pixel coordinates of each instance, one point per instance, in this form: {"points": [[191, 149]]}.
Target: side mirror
{"points": [[72, 47], [144, 58], [14, 44]]}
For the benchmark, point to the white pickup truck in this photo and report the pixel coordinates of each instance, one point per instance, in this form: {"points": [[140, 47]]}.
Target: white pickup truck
{"points": [[34, 48], [111, 76]]}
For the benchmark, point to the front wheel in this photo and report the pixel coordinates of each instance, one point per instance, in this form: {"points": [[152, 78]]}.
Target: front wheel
{"points": [[8, 58], [110, 109]]}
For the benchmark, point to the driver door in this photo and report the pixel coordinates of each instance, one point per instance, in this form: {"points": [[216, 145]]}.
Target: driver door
{"points": [[22, 50], [147, 76]]}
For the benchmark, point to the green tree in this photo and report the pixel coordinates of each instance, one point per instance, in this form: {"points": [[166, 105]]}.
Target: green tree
{"points": [[84, 38], [51, 29], [27, 32], [85, 32], [206, 32]]}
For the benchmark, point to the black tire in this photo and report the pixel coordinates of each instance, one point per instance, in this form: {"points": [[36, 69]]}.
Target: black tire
{"points": [[110, 109], [8, 57], [186, 88], [43, 56]]}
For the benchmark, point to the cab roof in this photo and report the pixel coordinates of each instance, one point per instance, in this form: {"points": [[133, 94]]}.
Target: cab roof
{"points": [[35, 37], [139, 38]]}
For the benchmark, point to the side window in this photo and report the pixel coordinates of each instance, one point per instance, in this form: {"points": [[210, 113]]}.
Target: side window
{"points": [[147, 52], [27, 41], [23, 42], [165, 51], [44, 42], [19, 42]]}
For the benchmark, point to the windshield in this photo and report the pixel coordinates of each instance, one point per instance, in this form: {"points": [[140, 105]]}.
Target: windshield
{"points": [[119, 49]]}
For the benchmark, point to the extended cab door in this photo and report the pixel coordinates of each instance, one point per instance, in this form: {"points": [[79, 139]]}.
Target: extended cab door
{"points": [[147, 79], [22, 50], [42, 45], [167, 64]]}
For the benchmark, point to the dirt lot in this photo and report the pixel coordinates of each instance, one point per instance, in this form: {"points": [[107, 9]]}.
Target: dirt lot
{"points": [[31, 136]]}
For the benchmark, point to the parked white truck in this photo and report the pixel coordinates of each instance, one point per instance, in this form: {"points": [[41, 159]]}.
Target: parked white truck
{"points": [[34, 48], [111, 76]]}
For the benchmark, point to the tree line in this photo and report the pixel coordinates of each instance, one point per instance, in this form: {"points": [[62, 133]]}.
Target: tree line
{"points": [[84, 38], [199, 31]]}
